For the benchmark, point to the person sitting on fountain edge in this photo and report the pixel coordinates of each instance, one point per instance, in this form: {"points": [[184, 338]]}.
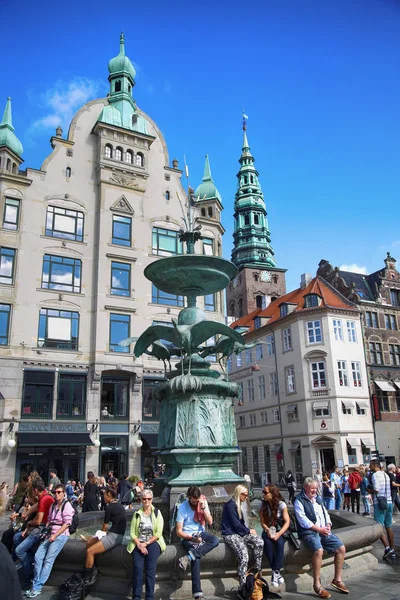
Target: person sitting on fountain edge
{"points": [[193, 514], [314, 528]]}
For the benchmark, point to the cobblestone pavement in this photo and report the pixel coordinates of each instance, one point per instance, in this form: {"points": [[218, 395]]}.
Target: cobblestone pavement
{"points": [[381, 584]]}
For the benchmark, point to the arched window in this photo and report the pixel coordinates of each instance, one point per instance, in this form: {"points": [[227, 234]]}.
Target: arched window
{"points": [[129, 89], [129, 157], [108, 151], [118, 153], [139, 159], [255, 219], [117, 86], [246, 220], [203, 212], [14, 168], [167, 195], [8, 164], [68, 172], [259, 300], [210, 211]]}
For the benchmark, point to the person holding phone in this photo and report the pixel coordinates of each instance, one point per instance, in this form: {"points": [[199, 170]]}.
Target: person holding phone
{"points": [[192, 517]]}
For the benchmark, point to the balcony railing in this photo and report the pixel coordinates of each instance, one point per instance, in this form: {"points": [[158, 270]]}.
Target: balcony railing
{"points": [[37, 410], [319, 393], [70, 411], [114, 413]]}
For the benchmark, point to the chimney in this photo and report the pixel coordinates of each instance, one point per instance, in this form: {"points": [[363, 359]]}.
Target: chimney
{"points": [[305, 279]]}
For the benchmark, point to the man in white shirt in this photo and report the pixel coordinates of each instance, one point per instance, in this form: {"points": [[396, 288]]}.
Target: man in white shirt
{"points": [[383, 506], [314, 527]]}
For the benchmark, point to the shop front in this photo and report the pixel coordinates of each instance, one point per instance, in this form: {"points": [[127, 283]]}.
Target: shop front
{"points": [[43, 446]]}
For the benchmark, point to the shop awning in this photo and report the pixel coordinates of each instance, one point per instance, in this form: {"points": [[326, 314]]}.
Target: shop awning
{"points": [[348, 403], [362, 404], [397, 384], [150, 438], [294, 447], [36, 439], [352, 441], [367, 442], [385, 386], [291, 408], [320, 404]]}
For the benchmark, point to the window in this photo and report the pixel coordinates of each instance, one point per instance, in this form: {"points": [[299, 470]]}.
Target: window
{"points": [[64, 223], [118, 153], [120, 326], [139, 159], [311, 300], [314, 332], [283, 310], [361, 409], [292, 413], [338, 330], [351, 331], [318, 374], [390, 322], [210, 212], [290, 383], [120, 279], [61, 273], [121, 230], [256, 220], [11, 214], [7, 265], [37, 395], [342, 372], [129, 157], [287, 339], [166, 242], [394, 354], [250, 389], [242, 421], [208, 246], [371, 319], [356, 374], [394, 298], [151, 402], [249, 357], [209, 302], [321, 409], [257, 320], [270, 345], [347, 408], [58, 329], [384, 405], [108, 151], [241, 396], [273, 384], [5, 311], [375, 351], [115, 399], [253, 420], [117, 87], [261, 387], [167, 196], [71, 402], [264, 418], [239, 360], [68, 172], [277, 415], [246, 220], [160, 297]]}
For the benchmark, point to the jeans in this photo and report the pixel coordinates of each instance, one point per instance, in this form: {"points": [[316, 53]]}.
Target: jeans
{"points": [[396, 501], [355, 498], [25, 551], [147, 562], [210, 542], [45, 556], [366, 504], [274, 551], [338, 499]]}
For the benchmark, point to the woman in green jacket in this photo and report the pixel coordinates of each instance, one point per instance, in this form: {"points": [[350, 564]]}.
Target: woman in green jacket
{"points": [[146, 545]]}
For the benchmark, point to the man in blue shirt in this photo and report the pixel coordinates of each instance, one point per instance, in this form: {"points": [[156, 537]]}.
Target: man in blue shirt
{"points": [[314, 527], [192, 516]]}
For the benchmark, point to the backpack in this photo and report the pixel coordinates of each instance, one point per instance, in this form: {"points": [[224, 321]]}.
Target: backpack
{"points": [[256, 587], [72, 588], [354, 480], [75, 517]]}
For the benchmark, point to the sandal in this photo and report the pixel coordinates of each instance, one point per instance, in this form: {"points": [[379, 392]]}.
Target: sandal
{"points": [[321, 592]]}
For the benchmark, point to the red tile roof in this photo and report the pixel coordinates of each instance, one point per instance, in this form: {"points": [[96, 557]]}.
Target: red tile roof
{"points": [[330, 298]]}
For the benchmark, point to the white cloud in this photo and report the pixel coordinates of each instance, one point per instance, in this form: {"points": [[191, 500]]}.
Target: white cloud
{"points": [[354, 268], [64, 99]]}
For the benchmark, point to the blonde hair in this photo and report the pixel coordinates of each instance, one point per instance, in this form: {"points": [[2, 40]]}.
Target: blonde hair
{"points": [[239, 489]]}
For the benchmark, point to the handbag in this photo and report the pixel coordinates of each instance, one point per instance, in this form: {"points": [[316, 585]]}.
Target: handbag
{"points": [[73, 588], [382, 502]]}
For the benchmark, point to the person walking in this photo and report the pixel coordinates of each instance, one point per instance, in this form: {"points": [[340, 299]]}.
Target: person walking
{"points": [[193, 514], [53, 481], [394, 486], [328, 491], [346, 489], [290, 485], [314, 527], [237, 534], [383, 506], [91, 494], [337, 484], [125, 491], [275, 521], [365, 496], [354, 483], [146, 545], [59, 519]]}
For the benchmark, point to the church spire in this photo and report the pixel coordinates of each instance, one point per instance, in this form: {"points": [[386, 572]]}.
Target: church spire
{"points": [[7, 135], [252, 240]]}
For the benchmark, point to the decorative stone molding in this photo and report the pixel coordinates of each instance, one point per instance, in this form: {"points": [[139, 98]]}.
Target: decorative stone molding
{"points": [[122, 205], [126, 181]]}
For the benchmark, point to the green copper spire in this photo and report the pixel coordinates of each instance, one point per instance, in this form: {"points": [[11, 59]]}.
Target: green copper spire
{"points": [[207, 189], [252, 239], [121, 63], [7, 135]]}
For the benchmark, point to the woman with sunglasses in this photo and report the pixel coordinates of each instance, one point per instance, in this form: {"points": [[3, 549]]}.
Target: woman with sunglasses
{"points": [[146, 545], [237, 534], [275, 521]]}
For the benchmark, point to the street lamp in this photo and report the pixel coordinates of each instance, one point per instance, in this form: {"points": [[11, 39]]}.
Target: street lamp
{"points": [[138, 443]]}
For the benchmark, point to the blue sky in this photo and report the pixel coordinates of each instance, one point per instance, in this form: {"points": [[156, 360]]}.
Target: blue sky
{"points": [[319, 79]]}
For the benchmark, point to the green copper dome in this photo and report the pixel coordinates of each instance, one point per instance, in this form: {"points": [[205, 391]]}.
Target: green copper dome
{"points": [[207, 189], [7, 135], [121, 63]]}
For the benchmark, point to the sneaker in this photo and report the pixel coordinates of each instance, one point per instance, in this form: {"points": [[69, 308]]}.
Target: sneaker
{"points": [[278, 578], [274, 582], [389, 553], [18, 565], [33, 593], [184, 562]]}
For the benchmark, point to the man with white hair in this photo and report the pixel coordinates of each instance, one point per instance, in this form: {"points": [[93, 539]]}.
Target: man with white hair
{"points": [[394, 486], [314, 527], [383, 506]]}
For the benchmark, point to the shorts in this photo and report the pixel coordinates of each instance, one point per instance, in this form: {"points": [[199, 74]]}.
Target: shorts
{"points": [[112, 539], [329, 543], [384, 517], [347, 494]]}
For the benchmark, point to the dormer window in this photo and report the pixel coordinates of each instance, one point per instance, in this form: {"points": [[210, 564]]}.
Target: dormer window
{"points": [[283, 310], [129, 157], [108, 151], [117, 86], [311, 300], [139, 159]]}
